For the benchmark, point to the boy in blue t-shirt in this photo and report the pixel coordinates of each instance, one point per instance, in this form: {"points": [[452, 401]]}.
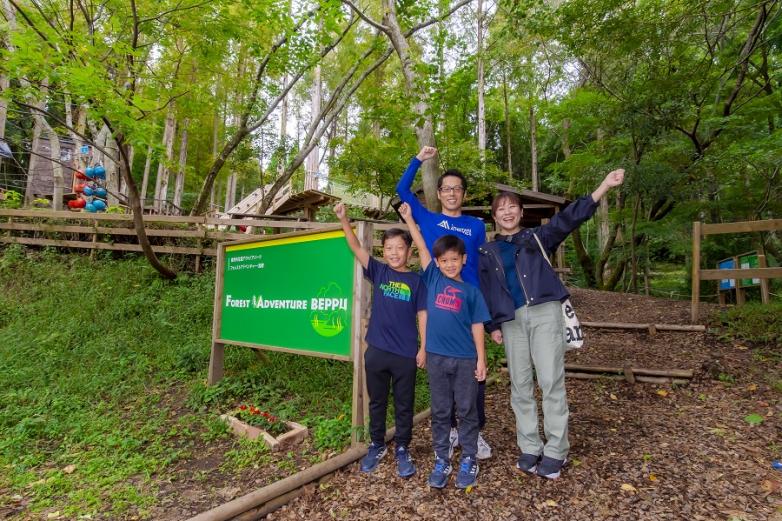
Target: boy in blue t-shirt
{"points": [[398, 298], [455, 354]]}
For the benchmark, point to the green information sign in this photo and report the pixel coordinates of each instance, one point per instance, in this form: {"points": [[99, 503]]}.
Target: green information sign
{"points": [[749, 260], [292, 293]]}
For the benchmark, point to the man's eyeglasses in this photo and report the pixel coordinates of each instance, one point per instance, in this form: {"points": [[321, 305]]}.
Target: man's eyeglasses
{"points": [[449, 189]]}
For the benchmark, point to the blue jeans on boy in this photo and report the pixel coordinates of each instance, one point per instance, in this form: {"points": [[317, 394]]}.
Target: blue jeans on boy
{"points": [[452, 385]]}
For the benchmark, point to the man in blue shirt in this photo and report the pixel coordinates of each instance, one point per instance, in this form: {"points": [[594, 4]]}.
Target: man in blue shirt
{"points": [[451, 188]]}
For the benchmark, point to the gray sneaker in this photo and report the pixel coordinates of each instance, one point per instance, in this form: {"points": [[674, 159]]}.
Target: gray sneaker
{"points": [[453, 440], [484, 450], [528, 463], [550, 468]]}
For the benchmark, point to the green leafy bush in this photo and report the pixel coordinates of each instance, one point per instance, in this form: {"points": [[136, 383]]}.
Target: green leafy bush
{"points": [[754, 322], [12, 199]]}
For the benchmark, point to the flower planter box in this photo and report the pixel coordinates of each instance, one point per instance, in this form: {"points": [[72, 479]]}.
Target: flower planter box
{"points": [[296, 433]]}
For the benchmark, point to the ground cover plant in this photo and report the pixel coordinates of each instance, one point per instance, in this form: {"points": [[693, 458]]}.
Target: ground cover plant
{"points": [[104, 399]]}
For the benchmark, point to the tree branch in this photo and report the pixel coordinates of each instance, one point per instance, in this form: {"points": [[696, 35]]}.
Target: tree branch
{"points": [[367, 19]]}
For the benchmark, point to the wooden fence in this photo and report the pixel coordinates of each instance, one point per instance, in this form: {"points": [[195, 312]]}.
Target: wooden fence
{"points": [[167, 234], [700, 229]]}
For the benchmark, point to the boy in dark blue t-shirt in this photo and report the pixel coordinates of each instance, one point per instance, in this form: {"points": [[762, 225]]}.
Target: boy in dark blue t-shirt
{"points": [[455, 354], [398, 298]]}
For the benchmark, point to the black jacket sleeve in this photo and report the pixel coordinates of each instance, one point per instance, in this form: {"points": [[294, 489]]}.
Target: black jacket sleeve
{"points": [[563, 223]]}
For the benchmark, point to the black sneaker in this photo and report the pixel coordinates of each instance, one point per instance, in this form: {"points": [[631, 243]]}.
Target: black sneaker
{"points": [[528, 463], [550, 468], [375, 453]]}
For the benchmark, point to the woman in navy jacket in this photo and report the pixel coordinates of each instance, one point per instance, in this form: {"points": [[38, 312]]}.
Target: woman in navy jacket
{"points": [[524, 296]]}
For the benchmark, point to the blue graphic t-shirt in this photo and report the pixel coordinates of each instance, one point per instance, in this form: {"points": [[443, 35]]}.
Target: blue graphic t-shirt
{"points": [[397, 297], [452, 307], [434, 225]]}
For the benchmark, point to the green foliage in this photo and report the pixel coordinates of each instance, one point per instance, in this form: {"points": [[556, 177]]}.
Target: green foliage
{"points": [[754, 322], [93, 377], [11, 199], [332, 434]]}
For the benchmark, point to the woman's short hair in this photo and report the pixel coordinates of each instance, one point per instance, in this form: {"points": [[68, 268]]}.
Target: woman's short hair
{"points": [[502, 196]]}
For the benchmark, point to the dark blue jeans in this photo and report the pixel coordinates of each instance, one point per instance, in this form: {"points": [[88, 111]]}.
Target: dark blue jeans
{"points": [[386, 371], [453, 386], [480, 404]]}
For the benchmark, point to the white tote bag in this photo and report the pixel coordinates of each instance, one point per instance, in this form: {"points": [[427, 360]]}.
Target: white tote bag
{"points": [[572, 335]]}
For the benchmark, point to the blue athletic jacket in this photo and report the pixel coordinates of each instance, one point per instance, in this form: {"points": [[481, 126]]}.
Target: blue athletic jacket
{"points": [[541, 284]]}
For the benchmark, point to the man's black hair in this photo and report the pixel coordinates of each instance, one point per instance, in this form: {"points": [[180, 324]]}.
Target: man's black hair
{"points": [[453, 173], [397, 232], [447, 243]]}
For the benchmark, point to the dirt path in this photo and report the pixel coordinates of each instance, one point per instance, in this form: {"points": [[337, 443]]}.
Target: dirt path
{"points": [[638, 452]]}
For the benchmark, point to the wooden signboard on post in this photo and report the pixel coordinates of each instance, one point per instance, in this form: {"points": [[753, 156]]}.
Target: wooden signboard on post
{"points": [[301, 293]]}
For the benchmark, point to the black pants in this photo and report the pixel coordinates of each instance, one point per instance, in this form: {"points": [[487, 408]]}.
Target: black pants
{"points": [[480, 404], [385, 371]]}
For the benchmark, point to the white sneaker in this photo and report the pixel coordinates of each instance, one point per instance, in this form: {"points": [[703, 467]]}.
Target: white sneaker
{"points": [[484, 450], [453, 439]]}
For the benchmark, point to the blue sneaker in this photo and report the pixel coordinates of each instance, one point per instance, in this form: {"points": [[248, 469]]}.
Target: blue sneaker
{"points": [[550, 468], [528, 463], [404, 463], [468, 472], [439, 476], [374, 454]]}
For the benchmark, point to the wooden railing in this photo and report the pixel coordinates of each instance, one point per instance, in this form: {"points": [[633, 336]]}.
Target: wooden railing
{"points": [[701, 230], [168, 234]]}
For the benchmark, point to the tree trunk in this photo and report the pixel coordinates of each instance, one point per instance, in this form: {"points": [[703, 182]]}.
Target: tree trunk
{"points": [[179, 185], [4, 84], [161, 182], [481, 105], [584, 259], [533, 144], [10, 17], [633, 252], [283, 134], [313, 160], [506, 110], [145, 177], [424, 129], [35, 147], [111, 163], [230, 192]]}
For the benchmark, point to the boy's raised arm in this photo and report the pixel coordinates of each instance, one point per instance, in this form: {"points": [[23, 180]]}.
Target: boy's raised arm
{"points": [[423, 252], [360, 253]]}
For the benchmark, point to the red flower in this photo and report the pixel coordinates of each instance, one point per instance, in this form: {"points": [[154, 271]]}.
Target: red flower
{"points": [[243, 407]]}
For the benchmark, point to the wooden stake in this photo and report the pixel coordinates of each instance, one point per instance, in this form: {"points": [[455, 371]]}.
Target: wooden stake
{"points": [[696, 272]]}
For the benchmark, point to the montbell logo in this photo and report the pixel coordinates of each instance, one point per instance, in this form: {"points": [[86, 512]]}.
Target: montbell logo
{"points": [[449, 300], [448, 226]]}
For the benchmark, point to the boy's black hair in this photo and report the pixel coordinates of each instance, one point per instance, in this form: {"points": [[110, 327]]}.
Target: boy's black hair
{"points": [[397, 232], [452, 173], [447, 243]]}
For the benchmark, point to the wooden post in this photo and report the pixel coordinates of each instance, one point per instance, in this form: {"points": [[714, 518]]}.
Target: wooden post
{"points": [[696, 271], [765, 294], [94, 239], [216, 359], [741, 293], [360, 403]]}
